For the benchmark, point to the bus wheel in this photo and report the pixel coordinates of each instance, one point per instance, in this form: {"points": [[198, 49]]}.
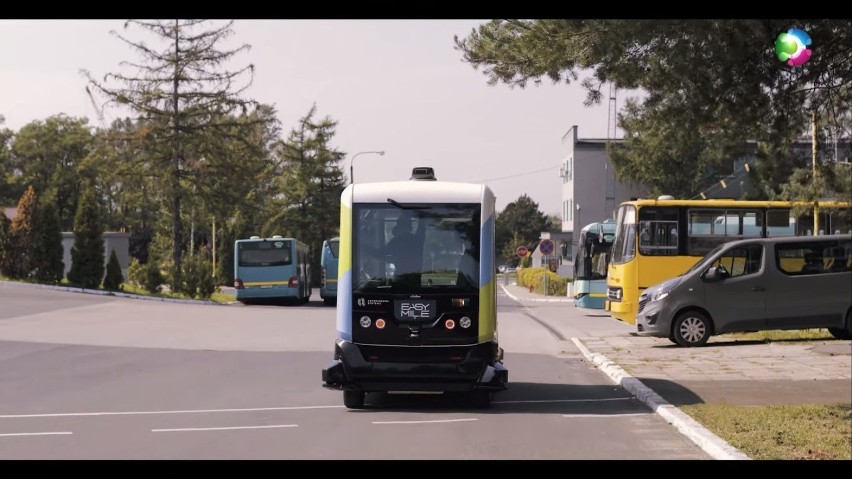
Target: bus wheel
{"points": [[691, 329], [354, 399], [843, 333]]}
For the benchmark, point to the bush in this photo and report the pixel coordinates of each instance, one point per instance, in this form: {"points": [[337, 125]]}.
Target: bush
{"points": [[207, 283], [113, 278], [151, 278], [198, 278], [134, 272], [535, 277]]}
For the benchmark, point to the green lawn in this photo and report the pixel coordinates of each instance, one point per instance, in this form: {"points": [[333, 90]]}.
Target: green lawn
{"points": [[780, 432]]}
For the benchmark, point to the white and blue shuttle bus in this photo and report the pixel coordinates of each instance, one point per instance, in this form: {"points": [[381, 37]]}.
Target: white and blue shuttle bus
{"points": [[416, 298]]}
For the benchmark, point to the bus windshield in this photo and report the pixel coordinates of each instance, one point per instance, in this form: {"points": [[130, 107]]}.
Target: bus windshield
{"points": [[593, 252], [401, 248], [624, 246], [264, 253]]}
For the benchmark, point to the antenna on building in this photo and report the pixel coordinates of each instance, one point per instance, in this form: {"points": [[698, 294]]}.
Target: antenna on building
{"points": [[612, 116]]}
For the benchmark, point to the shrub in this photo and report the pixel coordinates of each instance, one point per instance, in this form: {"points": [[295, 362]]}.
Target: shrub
{"points": [[535, 277], [134, 272], [198, 278], [113, 278], [151, 277]]}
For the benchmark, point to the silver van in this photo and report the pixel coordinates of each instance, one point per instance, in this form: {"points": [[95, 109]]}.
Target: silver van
{"points": [[758, 284]]}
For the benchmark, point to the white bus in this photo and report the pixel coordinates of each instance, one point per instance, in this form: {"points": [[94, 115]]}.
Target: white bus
{"points": [[416, 298]]}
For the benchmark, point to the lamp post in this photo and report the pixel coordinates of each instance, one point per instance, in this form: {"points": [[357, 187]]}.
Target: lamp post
{"points": [[352, 162]]}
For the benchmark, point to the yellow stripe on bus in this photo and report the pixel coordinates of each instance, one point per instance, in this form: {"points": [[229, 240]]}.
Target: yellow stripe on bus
{"points": [[266, 283]]}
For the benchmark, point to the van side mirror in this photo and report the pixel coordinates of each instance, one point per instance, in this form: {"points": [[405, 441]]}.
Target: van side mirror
{"points": [[716, 273]]}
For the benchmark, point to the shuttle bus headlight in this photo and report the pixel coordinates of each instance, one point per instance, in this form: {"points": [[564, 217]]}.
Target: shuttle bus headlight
{"points": [[380, 323], [465, 322], [450, 324], [365, 321]]}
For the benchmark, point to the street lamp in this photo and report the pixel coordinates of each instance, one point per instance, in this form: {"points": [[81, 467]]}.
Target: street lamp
{"points": [[352, 163]]}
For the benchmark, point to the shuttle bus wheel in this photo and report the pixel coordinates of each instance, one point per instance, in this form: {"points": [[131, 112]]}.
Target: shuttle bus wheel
{"points": [[353, 399], [480, 399]]}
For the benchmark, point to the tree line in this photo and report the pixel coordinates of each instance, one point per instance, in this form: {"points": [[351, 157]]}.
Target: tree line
{"points": [[196, 156], [708, 88], [196, 159]]}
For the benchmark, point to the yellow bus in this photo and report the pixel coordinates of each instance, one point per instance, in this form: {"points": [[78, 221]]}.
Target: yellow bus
{"points": [[657, 239]]}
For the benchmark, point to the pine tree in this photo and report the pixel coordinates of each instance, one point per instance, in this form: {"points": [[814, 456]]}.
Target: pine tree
{"points": [[113, 278], [5, 242], [47, 265], [87, 254], [21, 236], [311, 181], [186, 97]]}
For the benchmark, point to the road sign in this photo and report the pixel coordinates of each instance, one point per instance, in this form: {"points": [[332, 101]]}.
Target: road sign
{"points": [[546, 247], [522, 251]]}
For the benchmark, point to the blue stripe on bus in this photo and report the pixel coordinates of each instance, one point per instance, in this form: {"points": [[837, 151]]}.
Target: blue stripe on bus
{"points": [[344, 306], [486, 265]]}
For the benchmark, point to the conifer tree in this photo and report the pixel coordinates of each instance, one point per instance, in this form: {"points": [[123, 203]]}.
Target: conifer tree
{"points": [[113, 278], [87, 254], [47, 265]]}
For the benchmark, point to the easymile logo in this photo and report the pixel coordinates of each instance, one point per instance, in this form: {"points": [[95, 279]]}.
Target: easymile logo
{"points": [[414, 310], [362, 302]]}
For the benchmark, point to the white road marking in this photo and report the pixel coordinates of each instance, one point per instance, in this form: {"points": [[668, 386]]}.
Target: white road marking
{"points": [[64, 433], [224, 428], [185, 411], [609, 415], [560, 400], [425, 422]]}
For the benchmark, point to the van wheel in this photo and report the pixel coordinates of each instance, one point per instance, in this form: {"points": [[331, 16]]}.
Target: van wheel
{"points": [[843, 333], [672, 338], [691, 329], [354, 399]]}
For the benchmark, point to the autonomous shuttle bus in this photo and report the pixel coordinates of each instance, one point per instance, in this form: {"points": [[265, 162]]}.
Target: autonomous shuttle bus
{"points": [[416, 299]]}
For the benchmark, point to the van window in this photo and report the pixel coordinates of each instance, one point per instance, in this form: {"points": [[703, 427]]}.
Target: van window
{"points": [[741, 261], [814, 258]]}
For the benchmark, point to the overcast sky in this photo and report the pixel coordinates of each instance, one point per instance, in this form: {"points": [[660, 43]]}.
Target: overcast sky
{"points": [[393, 85]]}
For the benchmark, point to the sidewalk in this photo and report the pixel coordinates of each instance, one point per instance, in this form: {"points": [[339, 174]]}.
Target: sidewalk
{"points": [[725, 371], [524, 295]]}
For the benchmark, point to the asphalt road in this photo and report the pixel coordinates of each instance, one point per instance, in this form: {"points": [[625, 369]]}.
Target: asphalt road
{"points": [[96, 377]]}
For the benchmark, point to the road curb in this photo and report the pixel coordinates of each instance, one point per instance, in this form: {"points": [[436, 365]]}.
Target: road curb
{"points": [[706, 440], [540, 300], [118, 294]]}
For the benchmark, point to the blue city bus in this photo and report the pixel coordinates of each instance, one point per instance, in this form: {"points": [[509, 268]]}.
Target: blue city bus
{"points": [[590, 264], [328, 270], [416, 298], [272, 269]]}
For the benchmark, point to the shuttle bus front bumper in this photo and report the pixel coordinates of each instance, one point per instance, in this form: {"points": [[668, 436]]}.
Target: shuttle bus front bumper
{"points": [[409, 368]]}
